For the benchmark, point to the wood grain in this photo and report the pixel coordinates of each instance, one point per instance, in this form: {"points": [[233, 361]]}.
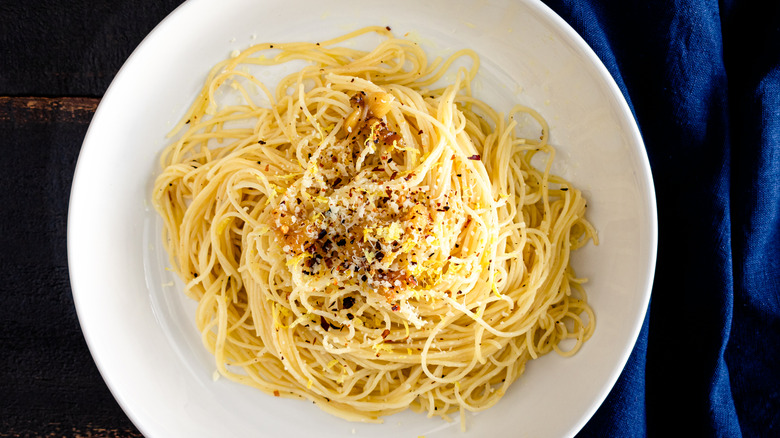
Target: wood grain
{"points": [[50, 384], [26, 109], [70, 47], [57, 58]]}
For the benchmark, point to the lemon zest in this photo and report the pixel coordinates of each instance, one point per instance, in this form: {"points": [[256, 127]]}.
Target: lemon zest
{"points": [[223, 224]]}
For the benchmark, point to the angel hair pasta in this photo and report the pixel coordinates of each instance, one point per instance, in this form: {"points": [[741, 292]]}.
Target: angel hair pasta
{"points": [[366, 237]]}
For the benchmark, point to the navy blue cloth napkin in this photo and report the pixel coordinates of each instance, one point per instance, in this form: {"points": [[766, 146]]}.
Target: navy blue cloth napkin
{"points": [[703, 80]]}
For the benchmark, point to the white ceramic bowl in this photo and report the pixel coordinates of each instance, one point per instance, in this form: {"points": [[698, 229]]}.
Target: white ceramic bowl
{"points": [[139, 327]]}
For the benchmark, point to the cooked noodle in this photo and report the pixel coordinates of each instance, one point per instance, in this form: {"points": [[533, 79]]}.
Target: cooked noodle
{"points": [[366, 238]]}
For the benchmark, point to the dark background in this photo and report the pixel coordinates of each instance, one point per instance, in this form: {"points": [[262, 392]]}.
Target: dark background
{"points": [[701, 77], [56, 61]]}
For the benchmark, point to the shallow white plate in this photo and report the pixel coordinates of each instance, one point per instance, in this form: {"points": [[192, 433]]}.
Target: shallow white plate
{"points": [[140, 328]]}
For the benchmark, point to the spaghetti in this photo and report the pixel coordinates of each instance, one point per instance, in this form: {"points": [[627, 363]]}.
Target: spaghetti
{"points": [[367, 238]]}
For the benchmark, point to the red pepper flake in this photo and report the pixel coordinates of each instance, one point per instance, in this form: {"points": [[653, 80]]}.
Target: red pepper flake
{"points": [[385, 333], [475, 157]]}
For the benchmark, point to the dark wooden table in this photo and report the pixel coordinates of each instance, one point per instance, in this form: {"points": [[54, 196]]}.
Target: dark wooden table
{"points": [[56, 61]]}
